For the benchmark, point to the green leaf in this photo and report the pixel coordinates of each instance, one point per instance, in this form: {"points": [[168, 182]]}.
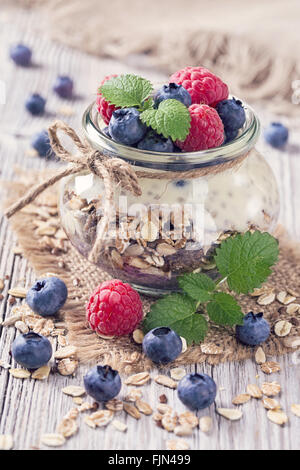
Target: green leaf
{"points": [[224, 310], [126, 90], [171, 119], [197, 286], [177, 312], [245, 260], [148, 104]]}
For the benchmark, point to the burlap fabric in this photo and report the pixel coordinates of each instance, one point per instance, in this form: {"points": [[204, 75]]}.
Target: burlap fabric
{"points": [[81, 277]]}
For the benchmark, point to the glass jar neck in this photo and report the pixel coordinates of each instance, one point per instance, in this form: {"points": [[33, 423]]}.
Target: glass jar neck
{"points": [[249, 134]]}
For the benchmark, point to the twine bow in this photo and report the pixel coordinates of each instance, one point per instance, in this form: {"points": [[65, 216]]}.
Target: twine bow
{"points": [[113, 171]]}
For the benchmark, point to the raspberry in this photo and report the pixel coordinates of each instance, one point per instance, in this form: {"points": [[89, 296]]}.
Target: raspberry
{"points": [[206, 129], [203, 86], [103, 106], [114, 309]]}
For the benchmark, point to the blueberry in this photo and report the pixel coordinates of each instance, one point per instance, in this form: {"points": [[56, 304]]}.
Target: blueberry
{"points": [[180, 183], [232, 114], [47, 296], [102, 382], [230, 135], [197, 391], [21, 55], [255, 329], [31, 350], [162, 345], [63, 86], [105, 131], [126, 127], [35, 104], [156, 143], [173, 92], [41, 143], [276, 134]]}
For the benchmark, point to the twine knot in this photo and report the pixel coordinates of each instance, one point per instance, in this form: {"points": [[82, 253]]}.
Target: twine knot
{"points": [[113, 171]]}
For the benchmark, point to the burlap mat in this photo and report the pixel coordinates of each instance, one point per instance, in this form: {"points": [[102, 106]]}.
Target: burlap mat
{"points": [[82, 277]]}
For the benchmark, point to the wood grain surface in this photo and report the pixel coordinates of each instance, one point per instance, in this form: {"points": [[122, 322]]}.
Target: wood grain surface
{"points": [[30, 408]]}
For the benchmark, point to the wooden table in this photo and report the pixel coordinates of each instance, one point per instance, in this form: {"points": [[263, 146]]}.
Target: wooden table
{"points": [[30, 408]]}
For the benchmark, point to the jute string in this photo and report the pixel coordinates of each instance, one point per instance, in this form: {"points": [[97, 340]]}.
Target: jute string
{"points": [[113, 171]]}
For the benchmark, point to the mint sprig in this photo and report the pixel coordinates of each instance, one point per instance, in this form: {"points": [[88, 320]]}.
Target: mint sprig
{"points": [[125, 91], [171, 119], [244, 261]]}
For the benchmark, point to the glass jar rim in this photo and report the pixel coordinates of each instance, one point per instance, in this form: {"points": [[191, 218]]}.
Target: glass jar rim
{"points": [[175, 161]]}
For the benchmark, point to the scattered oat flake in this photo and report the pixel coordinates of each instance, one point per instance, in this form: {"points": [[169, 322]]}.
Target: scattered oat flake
{"points": [[282, 328], [260, 356], [270, 403], [114, 405], [42, 373], [138, 379], [6, 442], [295, 408], [73, 391], [177, 444], [77, 400], [18, 292], [102, 417], [211, 348], [293, 308], [1, 285], [184, 345], [53, 440], [270, 367], [261, 290], [177, 373], [85, 406], [67, 366], [270, 389], [183, 430], [166, 381], [22, 327], [254, 391], [284, 298], [277, 416], [132, 410], [119, 425], [12, 319], [144, 407], [169, 422], [230, 413], [205, 423], [138, 336], [266, 299], [188, 418], [20, 373], [88, 420], [68, 427], [133, 395], [66, 352], [241, 399]]}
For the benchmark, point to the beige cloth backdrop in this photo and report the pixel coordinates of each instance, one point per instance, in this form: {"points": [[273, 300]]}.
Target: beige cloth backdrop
{"points": [[254, 45]]}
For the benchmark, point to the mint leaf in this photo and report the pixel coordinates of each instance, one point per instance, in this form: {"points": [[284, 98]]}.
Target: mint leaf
{"points": [[171, 119], [177, 312], [197, 286], [126, 90], [245, 260], [224, 310]]}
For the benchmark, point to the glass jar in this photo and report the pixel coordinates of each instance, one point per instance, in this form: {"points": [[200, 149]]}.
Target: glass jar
{"points": [[176, 224]]}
